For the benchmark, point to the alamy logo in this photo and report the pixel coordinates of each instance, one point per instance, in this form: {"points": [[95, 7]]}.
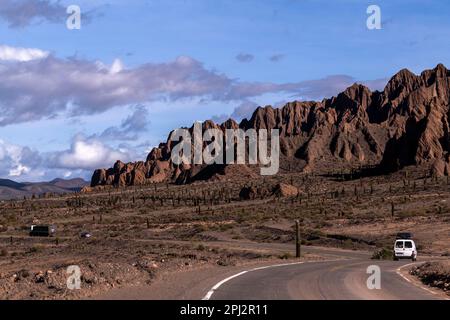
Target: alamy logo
{"points": [[74, 278], [374, 280], [74, 20], [374, 20], [227, 149]]}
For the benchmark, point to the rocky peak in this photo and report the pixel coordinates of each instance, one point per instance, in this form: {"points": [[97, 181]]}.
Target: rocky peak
{"points": [[441, 71], [263, 118], [357, 92], [400, 85], [354, 98], [230, 124]]}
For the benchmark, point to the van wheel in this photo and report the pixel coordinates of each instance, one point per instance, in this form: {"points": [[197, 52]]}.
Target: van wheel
{"points": [[395, 259]]}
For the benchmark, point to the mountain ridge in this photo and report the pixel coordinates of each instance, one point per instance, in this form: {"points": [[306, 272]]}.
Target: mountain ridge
{"points": [[405, 124], [10, 189]]}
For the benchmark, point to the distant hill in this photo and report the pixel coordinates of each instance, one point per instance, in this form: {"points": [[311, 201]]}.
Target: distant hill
{"points": [[11, 184], [10, 189], [75, 184]]}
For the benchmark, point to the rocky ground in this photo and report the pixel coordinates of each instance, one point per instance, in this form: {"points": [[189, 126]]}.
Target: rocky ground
{"points": [[434, 274], [142, 232]]}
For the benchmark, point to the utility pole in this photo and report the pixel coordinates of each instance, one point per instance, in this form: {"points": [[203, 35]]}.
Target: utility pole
{"points": [[297, 239]]}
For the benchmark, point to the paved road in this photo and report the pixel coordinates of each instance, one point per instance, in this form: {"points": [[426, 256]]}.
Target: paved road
{"points": [[339, 279], [341, 276]]}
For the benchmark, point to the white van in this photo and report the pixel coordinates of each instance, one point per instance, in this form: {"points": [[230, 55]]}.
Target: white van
{"points": [[405, 249]]}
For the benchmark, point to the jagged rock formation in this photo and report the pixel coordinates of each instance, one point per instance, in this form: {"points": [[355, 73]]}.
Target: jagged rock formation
{"points": [[405, 124], [285, 190], [278, 190]]}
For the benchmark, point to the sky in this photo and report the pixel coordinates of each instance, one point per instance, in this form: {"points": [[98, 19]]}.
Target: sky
{"points": [[73, 100]]}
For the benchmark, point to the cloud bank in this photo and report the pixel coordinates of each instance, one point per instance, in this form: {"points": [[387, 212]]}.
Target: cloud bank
{"points": [[41, 86], [22, 13], [8, 53]]}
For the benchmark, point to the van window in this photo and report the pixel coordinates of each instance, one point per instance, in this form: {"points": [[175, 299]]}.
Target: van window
{"points": [[399, 244], [40, 228], [408, 244]]}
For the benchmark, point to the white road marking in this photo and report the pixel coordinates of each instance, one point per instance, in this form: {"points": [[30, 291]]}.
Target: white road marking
{"points": [[401, 275], [211, 292], [213, 289]]}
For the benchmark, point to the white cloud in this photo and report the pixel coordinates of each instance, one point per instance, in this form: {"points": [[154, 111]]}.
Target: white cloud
{"points": [[116, 67], [21, 163], [19, 170], [67, 174], [88, 154], [8, 53], [16, 160]]}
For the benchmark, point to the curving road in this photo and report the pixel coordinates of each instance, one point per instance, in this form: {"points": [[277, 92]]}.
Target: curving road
{"points": [[342, 275], [330, 280]]}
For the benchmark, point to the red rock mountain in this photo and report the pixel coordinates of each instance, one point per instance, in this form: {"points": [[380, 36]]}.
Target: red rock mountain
{"points": [[405, 124]]}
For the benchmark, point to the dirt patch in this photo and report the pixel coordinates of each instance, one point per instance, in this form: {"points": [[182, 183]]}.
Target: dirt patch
{"points": [[51, 283]]}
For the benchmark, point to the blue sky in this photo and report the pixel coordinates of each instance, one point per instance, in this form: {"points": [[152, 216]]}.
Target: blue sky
{"points": [[65, 110]]}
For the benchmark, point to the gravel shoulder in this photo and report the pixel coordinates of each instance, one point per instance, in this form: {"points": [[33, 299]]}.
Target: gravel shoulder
{"points": [[435, 274]]}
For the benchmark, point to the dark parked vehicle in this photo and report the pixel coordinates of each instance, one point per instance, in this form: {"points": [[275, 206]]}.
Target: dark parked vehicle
{"points": [[404, 235], [85, 234], [42, 231]]}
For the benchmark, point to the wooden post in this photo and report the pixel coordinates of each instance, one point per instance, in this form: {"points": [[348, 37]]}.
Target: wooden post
{"points": [[392, 209], [297, 239]]}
